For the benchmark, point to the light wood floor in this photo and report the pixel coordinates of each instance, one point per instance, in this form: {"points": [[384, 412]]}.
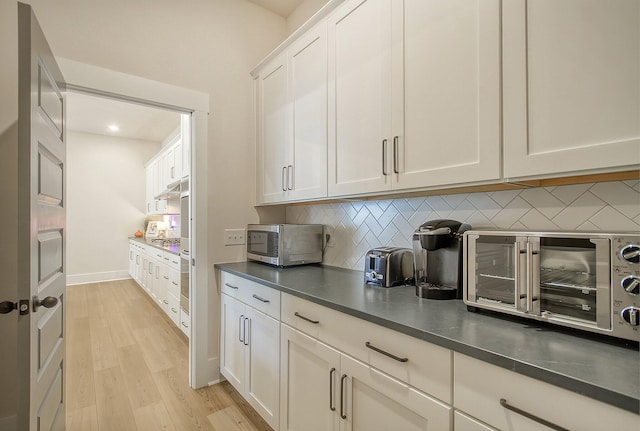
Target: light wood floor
{"points": [[127, 369]]}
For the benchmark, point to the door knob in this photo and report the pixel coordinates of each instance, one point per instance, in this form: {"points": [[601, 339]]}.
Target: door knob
{"points": [[48, 302], [7, 307]]}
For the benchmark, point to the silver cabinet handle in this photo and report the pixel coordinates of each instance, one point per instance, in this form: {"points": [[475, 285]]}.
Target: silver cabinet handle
{"points": [[174, 310], [246, 329], [185, 325], [165, 301], [315, 322], [528, 415], [240, 328], [174, 283], [284, 173], [396, 170], [231, 286], [332, 406], [342, 397], [384, 157], [290, 177], [376, 349], [260, 299], [165, 277]]}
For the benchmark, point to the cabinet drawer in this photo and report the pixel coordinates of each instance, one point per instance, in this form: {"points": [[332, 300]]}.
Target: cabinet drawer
{"points": [[156, 253], [173, 284], [462, 422], [256, 295], [427, 367], [172, 260], [185, 323], [479, 387], [173, 309]]}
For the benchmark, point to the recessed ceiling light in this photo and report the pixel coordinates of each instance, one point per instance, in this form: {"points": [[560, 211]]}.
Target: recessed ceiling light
{"points": [[113, 128]]}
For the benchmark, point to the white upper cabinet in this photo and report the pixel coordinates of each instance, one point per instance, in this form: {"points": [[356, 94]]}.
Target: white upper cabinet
{"points": [[307, 66], [291, 122], [446, 92], [359, 123], [571, 86], [414, 94], [273, 134], [185, 159]]}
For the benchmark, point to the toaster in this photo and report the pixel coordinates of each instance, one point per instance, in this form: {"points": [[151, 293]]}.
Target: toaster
{"points": [[388, 266]]}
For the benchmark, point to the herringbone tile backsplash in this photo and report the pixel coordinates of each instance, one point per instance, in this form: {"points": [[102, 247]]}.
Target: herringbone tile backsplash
{"points": [[355, 227]]}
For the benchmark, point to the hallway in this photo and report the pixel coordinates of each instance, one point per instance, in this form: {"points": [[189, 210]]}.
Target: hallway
{"points": [[127, 369]]}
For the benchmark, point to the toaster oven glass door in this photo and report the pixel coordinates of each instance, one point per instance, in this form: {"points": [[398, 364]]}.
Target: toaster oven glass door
{"points": [[498, 277], [558, 278]]}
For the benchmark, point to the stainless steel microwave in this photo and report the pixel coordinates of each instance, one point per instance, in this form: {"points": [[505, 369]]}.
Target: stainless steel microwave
{"points": [[588, 281], [285, 244]]}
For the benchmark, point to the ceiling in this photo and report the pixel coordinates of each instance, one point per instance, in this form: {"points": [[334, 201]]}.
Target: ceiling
{"points": [[91, 114], [280, 7]]}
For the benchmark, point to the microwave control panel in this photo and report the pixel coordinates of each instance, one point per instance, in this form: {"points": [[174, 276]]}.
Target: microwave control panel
{"points": [[626, 281]]}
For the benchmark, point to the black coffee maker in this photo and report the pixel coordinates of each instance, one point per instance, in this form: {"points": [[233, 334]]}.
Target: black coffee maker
{"points": [[437, 254]]}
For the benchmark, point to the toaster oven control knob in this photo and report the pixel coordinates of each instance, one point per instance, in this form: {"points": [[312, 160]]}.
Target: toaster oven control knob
{"points": [[631, 253], [631, 284], [631, 315]]}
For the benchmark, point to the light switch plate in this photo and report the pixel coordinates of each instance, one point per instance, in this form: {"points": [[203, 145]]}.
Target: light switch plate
{"points": [[234, 236]]}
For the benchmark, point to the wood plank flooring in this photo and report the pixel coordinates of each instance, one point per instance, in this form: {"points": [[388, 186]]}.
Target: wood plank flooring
{"points": [[127, 368]]}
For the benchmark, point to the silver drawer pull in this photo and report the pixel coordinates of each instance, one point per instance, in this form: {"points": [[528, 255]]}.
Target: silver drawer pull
{"points": [[260, 299], [231, 286], [535, 418], [315, 322], [174, 283], [185, 325], [174, 310], [375, 349]]}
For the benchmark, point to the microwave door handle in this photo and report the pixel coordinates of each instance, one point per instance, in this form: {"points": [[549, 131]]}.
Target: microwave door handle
{"points": [[517, 275]]}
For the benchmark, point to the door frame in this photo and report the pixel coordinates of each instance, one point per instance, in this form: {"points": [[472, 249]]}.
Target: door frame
{"points": [[97, 81]]}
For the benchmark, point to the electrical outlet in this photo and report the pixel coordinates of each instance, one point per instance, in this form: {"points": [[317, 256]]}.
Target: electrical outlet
{"points": [[234, 236]]}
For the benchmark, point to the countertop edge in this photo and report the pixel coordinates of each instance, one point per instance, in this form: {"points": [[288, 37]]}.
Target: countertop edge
{"points": [[575, 385]]}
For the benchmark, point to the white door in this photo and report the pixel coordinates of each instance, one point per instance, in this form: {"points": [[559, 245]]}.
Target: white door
{"points": [[310, 373], [359, 97], [571, 74], [262, 372], [274, 135], [446, 92], [373, 401], [232, 341], [42, 230], [307, 67]]}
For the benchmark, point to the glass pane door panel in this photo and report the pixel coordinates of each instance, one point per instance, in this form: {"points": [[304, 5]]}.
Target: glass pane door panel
{"points": [[495, 275], [568, 277]]}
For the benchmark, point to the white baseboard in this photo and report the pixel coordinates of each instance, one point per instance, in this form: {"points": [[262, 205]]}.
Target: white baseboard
{"points": [[96, 277]]}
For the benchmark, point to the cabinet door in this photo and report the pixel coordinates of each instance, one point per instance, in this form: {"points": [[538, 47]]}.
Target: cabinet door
{"points": [[274, 135], [446, 92], [177, 162], [232, 362], [307, 67], [132, 261], [310, 374], [359, 97], [375, 401], [263, 365], [149, 184], [571, 71], [163, 288]]}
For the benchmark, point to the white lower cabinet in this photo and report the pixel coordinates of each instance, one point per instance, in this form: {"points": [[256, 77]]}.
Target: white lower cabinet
{"points": [[249, 356], [324, 389], [479, 388], [310, 375], [158, 273]]}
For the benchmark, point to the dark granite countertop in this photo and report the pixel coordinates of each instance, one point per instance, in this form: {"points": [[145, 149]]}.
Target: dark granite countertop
{"points": [[174, 248], [599, 368]]}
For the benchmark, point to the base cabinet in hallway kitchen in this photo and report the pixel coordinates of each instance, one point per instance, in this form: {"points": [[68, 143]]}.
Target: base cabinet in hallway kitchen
{"points": [[324, 389], [249, 344]]}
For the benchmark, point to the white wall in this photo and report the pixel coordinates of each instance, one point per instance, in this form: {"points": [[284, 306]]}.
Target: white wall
{"points": [[105, 203]]}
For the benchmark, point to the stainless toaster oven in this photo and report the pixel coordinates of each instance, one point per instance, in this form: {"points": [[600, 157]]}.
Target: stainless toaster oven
{"points": [[588, 281]]}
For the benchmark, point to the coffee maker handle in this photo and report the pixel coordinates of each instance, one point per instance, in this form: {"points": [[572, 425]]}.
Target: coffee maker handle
{"points": [[440, 231]]}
